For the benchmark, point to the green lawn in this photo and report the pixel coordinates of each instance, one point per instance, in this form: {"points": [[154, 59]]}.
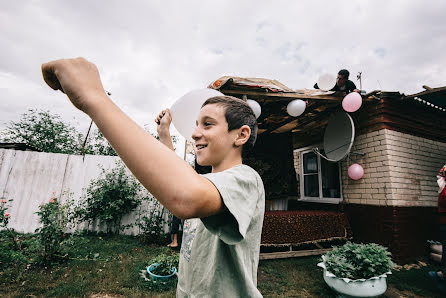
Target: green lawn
{"points": [[110, 266]]}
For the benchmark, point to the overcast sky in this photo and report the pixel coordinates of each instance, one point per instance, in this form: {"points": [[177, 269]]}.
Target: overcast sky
{"points": [[150, 53]]}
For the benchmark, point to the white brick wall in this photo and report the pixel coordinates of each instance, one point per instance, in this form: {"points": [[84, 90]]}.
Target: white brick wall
{"points": [[399, 170]]}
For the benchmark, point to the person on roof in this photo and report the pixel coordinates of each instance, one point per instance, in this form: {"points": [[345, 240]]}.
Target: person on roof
{"points": [[342, 83]]}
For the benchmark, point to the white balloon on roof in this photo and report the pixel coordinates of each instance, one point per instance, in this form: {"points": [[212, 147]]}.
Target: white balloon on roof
{"points": [[255, 107], [326, 81], [296, 107]]}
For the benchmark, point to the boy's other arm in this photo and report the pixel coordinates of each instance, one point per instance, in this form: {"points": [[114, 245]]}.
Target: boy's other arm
{"points": [[163, 121], [170, 179]]}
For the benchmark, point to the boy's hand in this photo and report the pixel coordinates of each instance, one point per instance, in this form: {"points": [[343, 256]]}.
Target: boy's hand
{"points": [[77, 78], [163, 120]]}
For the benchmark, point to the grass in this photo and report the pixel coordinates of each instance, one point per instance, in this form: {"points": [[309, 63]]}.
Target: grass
{"points": [[110, 266]]}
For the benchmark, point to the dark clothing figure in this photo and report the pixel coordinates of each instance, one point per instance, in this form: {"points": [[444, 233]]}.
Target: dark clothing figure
{"points": [[442, 218], [348, 87], [439, 276], [174, 231], [443, 244], [175, 225]]}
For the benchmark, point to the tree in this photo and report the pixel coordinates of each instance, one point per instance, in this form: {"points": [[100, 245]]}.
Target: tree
{"points": [[49, 133], [97, 144], [45, 131]]}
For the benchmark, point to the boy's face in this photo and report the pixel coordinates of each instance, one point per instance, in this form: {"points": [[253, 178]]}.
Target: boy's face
{"points": [[214, 144]]}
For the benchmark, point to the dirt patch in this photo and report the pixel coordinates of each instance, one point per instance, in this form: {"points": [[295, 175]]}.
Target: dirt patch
{"points": [[104, 295], [395, 293], [264, 277]]}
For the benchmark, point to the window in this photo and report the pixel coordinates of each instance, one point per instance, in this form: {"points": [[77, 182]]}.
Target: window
{"points": [[320, 180]]}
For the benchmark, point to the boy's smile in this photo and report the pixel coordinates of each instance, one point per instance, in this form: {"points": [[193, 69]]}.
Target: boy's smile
{"points": [[215, 145]]}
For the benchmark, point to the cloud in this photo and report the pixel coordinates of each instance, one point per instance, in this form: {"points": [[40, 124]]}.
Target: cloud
{"points": [[150, 53]]}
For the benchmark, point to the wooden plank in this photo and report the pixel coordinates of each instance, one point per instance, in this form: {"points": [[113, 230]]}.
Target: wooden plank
{"points": [[304, 119], [293, 254], [432, 90], [280, 96]]}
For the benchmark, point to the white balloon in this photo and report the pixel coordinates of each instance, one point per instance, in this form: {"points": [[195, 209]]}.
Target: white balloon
{"points": [[326, 81], [186, 109], [255, 107], [296, 107]]}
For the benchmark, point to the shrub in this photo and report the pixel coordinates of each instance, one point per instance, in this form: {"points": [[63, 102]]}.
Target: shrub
{"points": [[357, 261], [4, 221], [54, 218], [111, 196], [151, 225], [8, 255], [4, 214], [165, 263]]}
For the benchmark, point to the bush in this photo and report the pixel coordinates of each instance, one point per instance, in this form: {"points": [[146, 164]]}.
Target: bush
{"points": [[4, 214], [54, 218], [357, 261], [165, 263], [111, 196], [4, 221], [8, 255], [152, 224]]}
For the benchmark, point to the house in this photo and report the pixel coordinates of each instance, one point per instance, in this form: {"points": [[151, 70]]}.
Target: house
{"points": [[19, 146], [402, 146]]}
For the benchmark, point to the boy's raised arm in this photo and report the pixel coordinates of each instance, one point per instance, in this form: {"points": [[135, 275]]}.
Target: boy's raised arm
{"points": [[163, 121], [170, 179]]}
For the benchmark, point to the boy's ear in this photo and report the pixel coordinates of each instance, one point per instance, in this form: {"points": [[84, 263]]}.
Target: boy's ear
{"points": [[243, 135]]}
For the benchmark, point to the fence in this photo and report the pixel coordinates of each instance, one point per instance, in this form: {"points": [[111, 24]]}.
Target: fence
{"points": [[29, 178]]}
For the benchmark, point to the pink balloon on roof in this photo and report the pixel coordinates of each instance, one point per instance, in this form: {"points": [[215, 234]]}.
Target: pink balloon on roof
{"points": [[352, 102]]}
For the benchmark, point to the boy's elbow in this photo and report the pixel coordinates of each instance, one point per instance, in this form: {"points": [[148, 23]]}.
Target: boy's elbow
{"points": [[195, 207], [185, 208], [186, 213]]}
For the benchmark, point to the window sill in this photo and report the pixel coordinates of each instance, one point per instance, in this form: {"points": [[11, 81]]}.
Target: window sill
{"points": [[322, 200]]}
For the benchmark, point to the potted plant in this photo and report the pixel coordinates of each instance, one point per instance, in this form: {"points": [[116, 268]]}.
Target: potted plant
{"points": [[357, 270], [163, 266]]}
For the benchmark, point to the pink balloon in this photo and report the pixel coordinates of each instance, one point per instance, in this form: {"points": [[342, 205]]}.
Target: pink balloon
{"points": [[352, 102], [355, 171]]}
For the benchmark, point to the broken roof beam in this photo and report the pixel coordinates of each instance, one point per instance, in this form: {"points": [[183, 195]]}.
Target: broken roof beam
{"points": [[279, 96], [428, 91], [305, 119], [287, 118]]}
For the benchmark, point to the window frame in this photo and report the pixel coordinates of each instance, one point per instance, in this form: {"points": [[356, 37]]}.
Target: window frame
{"points": [[320, 199]]}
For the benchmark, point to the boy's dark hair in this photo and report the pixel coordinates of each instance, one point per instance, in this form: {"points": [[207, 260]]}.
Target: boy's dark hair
{"points": [[344, 72], [237, 114]]}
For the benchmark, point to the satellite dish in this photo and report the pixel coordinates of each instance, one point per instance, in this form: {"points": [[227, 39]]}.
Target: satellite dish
{"points": [[338, 138]]}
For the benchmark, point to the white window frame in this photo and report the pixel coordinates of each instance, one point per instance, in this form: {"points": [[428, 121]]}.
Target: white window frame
{"points": [[321, 199]]}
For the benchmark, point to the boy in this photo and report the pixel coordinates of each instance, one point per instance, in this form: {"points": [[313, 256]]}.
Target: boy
{"points": [[220, 251]]}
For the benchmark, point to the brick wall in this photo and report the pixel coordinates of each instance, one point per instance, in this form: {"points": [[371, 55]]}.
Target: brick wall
{"points": [[399, 170]]}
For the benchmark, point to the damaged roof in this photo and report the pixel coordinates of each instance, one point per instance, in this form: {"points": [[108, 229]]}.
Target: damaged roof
{"points": [[434, 97], [274, 97]]}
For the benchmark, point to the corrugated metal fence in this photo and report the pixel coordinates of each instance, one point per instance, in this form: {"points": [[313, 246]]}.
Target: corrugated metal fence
{"points": [[29, 179]]}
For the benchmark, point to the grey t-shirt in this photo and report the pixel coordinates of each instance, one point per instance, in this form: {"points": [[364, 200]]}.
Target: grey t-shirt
{"points": [[220, 254]]}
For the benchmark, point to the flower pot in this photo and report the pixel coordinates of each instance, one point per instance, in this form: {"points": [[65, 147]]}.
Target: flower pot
{"points": [[155, 276], [345, 287]]}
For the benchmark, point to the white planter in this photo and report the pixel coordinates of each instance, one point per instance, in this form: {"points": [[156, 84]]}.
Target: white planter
{"points": [[372, 287]]}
